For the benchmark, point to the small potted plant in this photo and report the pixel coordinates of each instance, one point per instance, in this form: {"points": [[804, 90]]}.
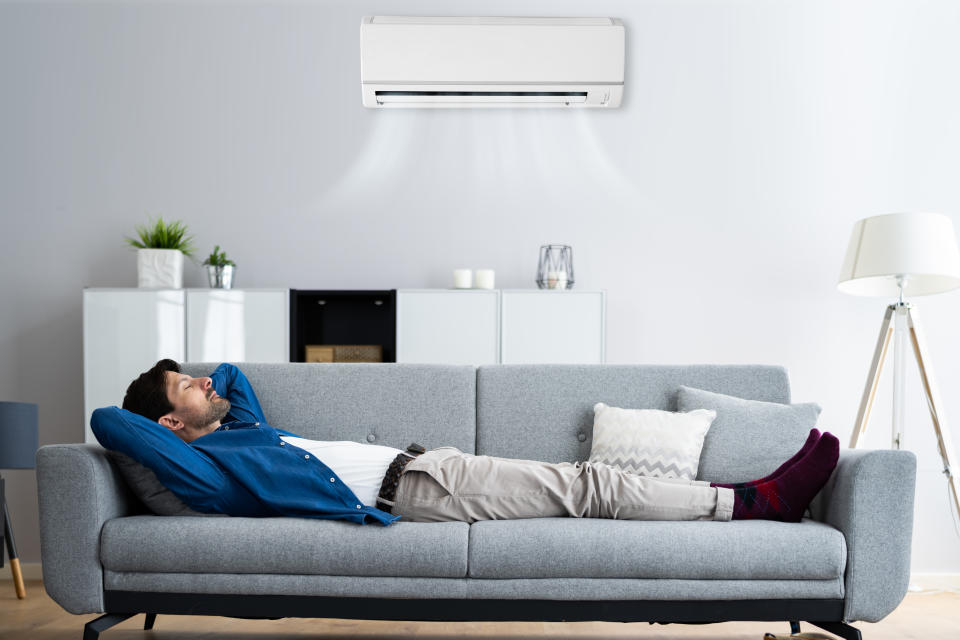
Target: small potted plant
{"points": [[160, 250], [219, 269]]}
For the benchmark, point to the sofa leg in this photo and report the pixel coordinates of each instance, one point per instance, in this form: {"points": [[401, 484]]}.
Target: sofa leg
{"points": [[841, 629], [794, 627], [148, 623], [91, 630]]}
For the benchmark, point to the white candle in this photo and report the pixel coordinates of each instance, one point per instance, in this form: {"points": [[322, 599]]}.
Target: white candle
{"points": [[484, 278], [462, 278], [561, 280], [557, 279]]}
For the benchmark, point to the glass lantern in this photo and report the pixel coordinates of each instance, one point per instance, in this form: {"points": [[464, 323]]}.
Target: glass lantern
{"points": [[555, 269]]}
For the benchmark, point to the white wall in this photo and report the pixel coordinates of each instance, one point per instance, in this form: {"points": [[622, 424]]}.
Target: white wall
{"points": [[714, 206]]}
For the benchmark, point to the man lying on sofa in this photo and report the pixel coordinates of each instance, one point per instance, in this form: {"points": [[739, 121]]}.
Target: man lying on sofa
{"points": [[206, 439]]}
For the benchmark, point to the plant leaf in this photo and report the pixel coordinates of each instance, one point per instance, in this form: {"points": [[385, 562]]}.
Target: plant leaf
{"points": [[163, 235]]}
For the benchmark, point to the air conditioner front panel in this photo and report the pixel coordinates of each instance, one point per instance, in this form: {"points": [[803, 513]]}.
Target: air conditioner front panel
{"points": [[505, 54]]}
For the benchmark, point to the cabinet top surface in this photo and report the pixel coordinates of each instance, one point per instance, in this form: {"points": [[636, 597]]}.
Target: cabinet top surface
{"points": [[302, 291], [538, 291], [190, 289]]}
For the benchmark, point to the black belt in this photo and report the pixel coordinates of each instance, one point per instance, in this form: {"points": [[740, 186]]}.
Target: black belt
{"points": [[388, 488]]}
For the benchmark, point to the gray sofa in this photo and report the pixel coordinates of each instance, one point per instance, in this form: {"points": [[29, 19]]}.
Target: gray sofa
{"points": [[102, 552]]}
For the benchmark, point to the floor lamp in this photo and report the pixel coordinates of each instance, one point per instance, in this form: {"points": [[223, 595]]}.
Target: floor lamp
{"points": [[891, 256], [18, 450]]}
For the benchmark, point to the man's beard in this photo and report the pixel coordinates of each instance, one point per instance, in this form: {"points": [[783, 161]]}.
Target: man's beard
{"points": [[216, 410]]}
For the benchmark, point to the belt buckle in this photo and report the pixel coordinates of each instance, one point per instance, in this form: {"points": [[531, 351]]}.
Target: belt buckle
{"points": [[416, 449]]}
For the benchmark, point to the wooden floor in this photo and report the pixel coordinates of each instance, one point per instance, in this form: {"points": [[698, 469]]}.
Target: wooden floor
{"points": [[930, 616]]}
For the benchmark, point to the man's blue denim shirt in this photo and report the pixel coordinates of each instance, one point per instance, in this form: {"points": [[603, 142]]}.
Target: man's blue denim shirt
{"points": [[241, 469]]}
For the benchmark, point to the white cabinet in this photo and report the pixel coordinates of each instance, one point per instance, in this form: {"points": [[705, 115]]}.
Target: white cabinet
{"points": [[552, 327], [237, 325], [125, 331], [450, 327], [511, 326]]}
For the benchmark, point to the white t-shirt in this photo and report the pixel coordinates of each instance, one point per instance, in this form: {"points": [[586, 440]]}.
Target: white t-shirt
{"points": [[360, 466]]}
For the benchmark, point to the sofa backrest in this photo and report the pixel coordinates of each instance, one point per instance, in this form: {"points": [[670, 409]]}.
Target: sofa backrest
{"points": [[388, 404], [545, 412], [537, 412]]}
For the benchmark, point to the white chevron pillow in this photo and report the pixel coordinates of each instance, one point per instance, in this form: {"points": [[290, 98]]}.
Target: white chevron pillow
{"points": [[650, 442]]}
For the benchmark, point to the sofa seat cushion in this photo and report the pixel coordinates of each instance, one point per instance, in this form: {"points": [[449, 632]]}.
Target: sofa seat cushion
{"points": [[294, 546], [582, 548]]}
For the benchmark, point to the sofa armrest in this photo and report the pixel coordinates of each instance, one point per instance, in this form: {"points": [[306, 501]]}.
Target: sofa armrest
{"points": [[869, 498], [78, 490]]}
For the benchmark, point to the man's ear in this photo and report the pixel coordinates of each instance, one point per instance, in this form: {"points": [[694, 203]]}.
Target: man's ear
{"points": [[171, 422]]}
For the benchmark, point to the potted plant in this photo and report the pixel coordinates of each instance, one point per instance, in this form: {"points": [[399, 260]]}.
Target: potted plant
{"points": [[160, 250], [219, 269]]}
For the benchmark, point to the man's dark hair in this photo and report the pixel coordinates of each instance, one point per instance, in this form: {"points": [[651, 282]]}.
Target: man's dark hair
{"points": [[147, 395]]}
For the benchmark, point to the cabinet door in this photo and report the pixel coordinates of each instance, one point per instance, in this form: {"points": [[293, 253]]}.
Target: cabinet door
{"points": [[448, 327], [124, 333], [552, 327], [235, 325]]}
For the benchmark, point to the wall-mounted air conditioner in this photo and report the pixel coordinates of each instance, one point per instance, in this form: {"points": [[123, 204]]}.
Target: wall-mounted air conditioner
{"points": [[491, 62]]}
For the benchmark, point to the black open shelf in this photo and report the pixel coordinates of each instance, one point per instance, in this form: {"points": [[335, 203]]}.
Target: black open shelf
{"points": [[343, 317]]}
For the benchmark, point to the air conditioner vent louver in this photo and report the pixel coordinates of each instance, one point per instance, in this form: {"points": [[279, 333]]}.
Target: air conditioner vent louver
{"points": [[491, 62]]}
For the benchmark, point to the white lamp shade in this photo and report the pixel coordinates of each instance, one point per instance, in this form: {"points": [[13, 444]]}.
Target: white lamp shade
{"points": [[921, 247]]}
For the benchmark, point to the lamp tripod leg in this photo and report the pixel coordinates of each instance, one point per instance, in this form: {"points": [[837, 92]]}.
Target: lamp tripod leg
{"points": [[932, 392], [12, 553], [873, 378]]}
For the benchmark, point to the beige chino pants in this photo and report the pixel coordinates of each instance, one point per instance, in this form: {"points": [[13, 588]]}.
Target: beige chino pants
{"points": [[446, 484]]}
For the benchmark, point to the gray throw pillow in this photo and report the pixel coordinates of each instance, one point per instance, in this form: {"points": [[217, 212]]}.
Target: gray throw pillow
{"points": [[144, 484], [748, 438]]}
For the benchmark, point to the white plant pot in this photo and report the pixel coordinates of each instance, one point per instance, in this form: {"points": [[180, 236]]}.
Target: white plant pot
{"points": [[160, 268]]}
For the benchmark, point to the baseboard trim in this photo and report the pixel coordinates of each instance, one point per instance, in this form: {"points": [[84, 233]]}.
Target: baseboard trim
{"points": [[934, 582], [30, 570]]}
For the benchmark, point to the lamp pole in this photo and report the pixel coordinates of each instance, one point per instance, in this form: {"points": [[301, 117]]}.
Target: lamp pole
{"points": [[900, 330]]}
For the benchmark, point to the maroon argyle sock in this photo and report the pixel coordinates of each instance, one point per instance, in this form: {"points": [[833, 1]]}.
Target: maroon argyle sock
{"points": [[786, 497], [804, 450]]}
